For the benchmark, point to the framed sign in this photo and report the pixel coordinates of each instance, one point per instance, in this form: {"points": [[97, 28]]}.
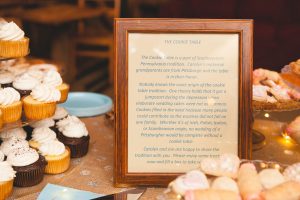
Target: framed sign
{"points": [[183, 92]]}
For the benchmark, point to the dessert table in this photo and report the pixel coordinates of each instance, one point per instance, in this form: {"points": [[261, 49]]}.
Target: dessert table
{"points": [[94, 172]]}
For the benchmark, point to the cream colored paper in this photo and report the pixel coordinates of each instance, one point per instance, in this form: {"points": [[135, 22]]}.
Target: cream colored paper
{"points": [[182, 99]]}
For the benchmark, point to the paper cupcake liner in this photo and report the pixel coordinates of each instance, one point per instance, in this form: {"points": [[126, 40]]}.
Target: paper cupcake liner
{"points": [[78, 146], [30, 175], [64, 90], [39, 111], [60, 165], [12, 49], [6, 188], [11, 113], [1, 119]]}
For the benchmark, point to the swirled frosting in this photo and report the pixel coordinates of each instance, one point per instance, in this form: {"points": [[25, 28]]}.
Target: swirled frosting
{"points": [[44, 67], [48, 122], [13, 143], [37, 74], [8, 96], [22, 157], [6, 77], [45, 93], [52, 78], [25, 82], [60, 113], [7, 173], [52, 148], [1, 156], [16, 132], [72, 127], [43, 135], [10, 31]]}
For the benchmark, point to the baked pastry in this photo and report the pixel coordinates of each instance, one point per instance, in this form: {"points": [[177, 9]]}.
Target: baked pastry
{"points": [[286, 191], [24, 84], [11, 144], [292, 172], [270, 178], [6, 79], [270, 92], [29, 165], [60, 113], [41, 103], [190, 181], [226, 165], [7, 175], [10, 105], [249, 182], [293, 129], [54, 79], [211, 194], [16, 132], [73, 133], [40, 136], [57, 156], [12, 41], [225, 183]]}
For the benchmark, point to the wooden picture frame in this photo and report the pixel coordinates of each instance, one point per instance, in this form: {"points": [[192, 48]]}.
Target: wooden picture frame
{"points": [[127, 31]]}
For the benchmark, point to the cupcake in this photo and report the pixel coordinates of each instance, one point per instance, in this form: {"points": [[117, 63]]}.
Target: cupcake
{"points": [[6, 79], [54, 79], [60, 113], [48, 122], [12, 144], [41, 103], [16, 132], [7, 175], [1, 119], [57, 156], [12, 41], [73, 133], [10, 105], [24, 84], [44, 67], [41, 135], [29, 166]]}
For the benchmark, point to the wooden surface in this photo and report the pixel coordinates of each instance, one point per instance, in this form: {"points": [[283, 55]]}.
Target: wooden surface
{"points": [[94, 172], [59, 13], [122, 27]]}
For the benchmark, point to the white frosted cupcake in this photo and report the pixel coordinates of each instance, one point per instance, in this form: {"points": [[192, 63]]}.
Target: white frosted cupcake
{"points": [[6, 79], [40, 136], [7, 175], [16, 132], [73, 133], [60, 113], [13, 43], [57, 156], [10, 105], [24, 84], [2, 156], [12, 144], [43, 67], [41, 103], [48, 122], [29, 165], [54, 79]]}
